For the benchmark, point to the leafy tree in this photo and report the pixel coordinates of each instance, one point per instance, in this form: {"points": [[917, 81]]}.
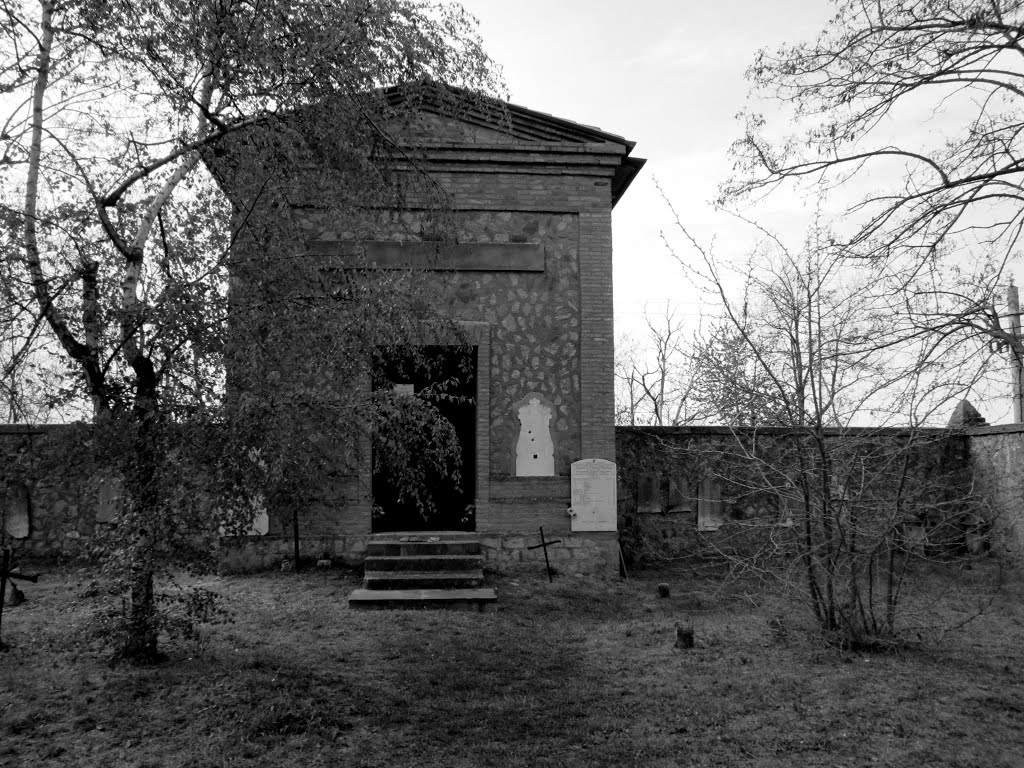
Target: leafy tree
{"points": [[926, 95], [119, 241]]}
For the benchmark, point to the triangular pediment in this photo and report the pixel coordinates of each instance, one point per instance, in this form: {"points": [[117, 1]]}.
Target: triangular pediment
{"points": [[430, 126], [426, 125], [458, 114]]}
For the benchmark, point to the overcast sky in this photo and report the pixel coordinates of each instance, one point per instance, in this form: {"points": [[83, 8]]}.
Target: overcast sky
{"points": [[665, 74], [669, 75]]}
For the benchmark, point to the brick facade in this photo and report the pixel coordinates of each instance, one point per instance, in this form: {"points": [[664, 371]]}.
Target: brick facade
{"points": [[542, 189], [524, 270]]}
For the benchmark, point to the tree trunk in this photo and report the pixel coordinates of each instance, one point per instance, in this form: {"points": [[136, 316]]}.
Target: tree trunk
{"points": [[140, 643], [142, 625]]}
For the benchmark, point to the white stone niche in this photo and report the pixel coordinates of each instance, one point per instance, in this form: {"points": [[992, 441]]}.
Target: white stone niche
{"points": [[593, 490], [535, 447]]}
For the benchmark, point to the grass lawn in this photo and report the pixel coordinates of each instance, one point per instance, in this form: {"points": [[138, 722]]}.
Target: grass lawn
{"points": [[570, 674]]}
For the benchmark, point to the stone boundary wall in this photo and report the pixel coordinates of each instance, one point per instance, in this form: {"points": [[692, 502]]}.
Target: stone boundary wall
{"points": [[66, 503], [997, 461], [589, 554], [672, 479], [63, 499], [65, 510]]}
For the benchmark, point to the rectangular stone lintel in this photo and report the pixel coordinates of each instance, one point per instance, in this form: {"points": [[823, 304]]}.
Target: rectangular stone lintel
{"points": [[445, 257]]}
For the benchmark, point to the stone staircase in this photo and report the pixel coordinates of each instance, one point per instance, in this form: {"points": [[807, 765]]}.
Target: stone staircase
{"points": [[423, 569]]}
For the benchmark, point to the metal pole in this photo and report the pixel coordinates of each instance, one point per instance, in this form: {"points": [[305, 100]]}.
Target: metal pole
{"points": [[1016, 362]]}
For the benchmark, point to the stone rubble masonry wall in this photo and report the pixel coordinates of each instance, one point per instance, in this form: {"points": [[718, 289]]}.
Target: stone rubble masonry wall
{"points": [[63, 503], [590, 554], [579, 291], [534, 320], [261, 553], [987, 461], [997, 460], [550, 332]]}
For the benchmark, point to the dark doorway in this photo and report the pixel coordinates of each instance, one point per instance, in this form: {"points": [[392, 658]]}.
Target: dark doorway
{"points": [[445, 378]]}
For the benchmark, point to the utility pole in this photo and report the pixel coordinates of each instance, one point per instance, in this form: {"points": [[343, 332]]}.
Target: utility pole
{"points": [[1016, 361]]}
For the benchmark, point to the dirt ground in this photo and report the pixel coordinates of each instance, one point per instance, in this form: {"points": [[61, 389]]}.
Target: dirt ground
{"points": [[575, 673]]}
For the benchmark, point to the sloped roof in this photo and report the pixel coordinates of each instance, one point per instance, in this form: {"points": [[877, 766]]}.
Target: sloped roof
{"points": [[966, 415], [487, 112], [517, 122]]}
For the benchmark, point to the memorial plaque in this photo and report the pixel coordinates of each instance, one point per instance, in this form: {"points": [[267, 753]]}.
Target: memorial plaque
{"points": [[17, 515], [679, 497], [260, 523], [710, 510], [647, 493], [108, 499], [259, 519], [593, 495]]}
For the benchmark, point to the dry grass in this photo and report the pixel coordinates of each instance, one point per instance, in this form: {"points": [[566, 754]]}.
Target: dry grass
{"points": [[569, 674]]}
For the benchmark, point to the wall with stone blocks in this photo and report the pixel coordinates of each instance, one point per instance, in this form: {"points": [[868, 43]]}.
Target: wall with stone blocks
{"points": [[997, 463], [63, 497], [250, 554], [72, 504], [987, 462], [533, 316], [66, 499], [710, 490], [591, 554]]}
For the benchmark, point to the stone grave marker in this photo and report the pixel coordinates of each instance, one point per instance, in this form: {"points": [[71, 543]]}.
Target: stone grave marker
{"points": [[17, 515], [260, 522], [259, 519], [679, 497], [710, 510], [647, 500], [593, 495], [108, 498]]}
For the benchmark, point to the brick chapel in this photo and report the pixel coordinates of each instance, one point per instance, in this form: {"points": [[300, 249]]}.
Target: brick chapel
{"points": [[530, 279]]}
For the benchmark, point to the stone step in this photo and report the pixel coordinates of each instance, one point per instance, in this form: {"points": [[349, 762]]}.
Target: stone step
{"points": [[428, 562], [457, 599], [392, 548], [464, 579], [426, 536], [420, 543], [423, 569]]}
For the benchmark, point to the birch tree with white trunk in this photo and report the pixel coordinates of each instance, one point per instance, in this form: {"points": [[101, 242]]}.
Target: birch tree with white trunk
{"points": [[119, 237]]}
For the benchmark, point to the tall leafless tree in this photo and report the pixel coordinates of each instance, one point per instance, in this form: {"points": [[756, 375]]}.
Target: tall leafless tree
{"points": [[654, 375], [920, 102], [831, 357]]}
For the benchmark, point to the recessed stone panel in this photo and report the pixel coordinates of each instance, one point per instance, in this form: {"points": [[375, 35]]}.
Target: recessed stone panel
{"points": [[17, 512], [535, 448], [593, 495]]}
